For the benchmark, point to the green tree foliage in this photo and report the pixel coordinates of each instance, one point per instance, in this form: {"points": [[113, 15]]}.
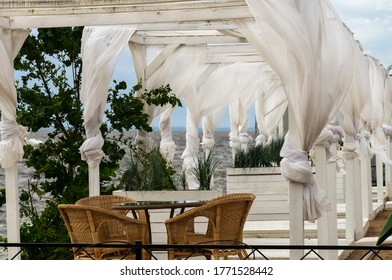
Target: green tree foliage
{"points": [[48, 89]]}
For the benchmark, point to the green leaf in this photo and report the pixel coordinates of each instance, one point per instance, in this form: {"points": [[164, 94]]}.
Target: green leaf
{"points": [[386, 231]]}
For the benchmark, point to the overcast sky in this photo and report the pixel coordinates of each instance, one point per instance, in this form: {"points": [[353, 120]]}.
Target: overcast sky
{"points": [[370, 20]]}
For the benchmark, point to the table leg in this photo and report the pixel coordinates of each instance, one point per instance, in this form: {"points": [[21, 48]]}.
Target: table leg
{"points": [[148, 225]]}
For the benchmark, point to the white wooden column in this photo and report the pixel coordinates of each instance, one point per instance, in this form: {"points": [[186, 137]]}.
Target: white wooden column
{"points": [[358, 215], [93, 180], [327, 223], [388, 171], [367, 205], [12, 208], [296, 194], [11, 178], [349, 194]]}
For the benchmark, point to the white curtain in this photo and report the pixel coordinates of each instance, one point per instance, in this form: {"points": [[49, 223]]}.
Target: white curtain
{"points": [[101, 46], [187, 61], [306, 44], [270, 108], [357, 106], [211, 96], [378, 84], [245, 95], [12, 134]]}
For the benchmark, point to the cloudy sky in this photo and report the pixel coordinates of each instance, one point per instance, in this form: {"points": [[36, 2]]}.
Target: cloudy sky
{"points": [[370, 20]]}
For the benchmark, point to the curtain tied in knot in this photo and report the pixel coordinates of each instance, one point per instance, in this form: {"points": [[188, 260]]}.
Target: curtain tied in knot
{"points": [[261, 139], [208, 142], [168, 149], [91, 150], [234, 141], [11, 145], [387, 130], [295, 167]]}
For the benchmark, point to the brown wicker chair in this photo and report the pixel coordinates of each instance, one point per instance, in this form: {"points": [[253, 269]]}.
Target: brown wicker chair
{"points": [[107, 201], [94, 225], [226, 217]]}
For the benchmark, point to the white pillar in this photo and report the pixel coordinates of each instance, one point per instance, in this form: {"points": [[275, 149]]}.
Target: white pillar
{"points": [[358, 215], [366, 189], [388, 171], [93, 180], [296, 215], [327, 223], [296, 194], [11, 173], [349, 195], [12, 208]]}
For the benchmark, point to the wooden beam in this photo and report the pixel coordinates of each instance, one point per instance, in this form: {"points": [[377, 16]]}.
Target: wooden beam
{"points": [[86, 3], [190, 40], [4, 22], [45, 13], [233, 58], [232, 33], [154, 65], [231, 49], [186, 25], [205, 75]]}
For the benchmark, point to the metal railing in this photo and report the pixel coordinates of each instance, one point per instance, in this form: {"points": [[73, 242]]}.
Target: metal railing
{"points": [[254, 252]]}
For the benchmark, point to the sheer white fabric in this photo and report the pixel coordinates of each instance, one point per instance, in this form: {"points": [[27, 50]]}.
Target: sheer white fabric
{"points": [[378, 85], [179, 69], [255, 84], [388, 100], [356, 104], [12, 134], [211, 95], [270, 107], [306, 44], [101, 46]]}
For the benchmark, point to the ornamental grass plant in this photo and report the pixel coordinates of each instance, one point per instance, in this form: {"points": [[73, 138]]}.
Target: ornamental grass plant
{"points": [[205, 166], [148, 171], [266, 155]]}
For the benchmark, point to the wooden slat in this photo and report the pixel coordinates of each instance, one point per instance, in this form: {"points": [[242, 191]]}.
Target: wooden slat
{"points": [[30, 14], [159, 60], [189, 39]]}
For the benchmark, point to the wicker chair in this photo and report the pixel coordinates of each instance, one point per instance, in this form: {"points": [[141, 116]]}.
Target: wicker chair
{"points": [[107, 201], [226, 217], [94, 225]]}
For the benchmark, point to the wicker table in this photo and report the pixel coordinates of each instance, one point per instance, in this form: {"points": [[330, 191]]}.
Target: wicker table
{"points": [[147, 205]]}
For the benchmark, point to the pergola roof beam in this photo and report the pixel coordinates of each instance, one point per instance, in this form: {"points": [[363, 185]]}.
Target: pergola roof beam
{"points": [[66, 13], [217, 38]]}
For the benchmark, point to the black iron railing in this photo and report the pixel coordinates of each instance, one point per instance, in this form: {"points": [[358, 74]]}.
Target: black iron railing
{"points": [[254, 251]]}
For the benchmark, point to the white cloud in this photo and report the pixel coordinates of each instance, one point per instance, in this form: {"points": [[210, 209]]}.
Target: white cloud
{"points": [[384, 5], [371, 22]]}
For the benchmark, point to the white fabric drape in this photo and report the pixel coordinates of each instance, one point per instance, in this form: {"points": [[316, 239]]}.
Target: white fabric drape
{"points": [[101, 47], [254, 84], [12, 134], [187, 61], [378, 85], [306, 44], [357, 105], [270, 107]]}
